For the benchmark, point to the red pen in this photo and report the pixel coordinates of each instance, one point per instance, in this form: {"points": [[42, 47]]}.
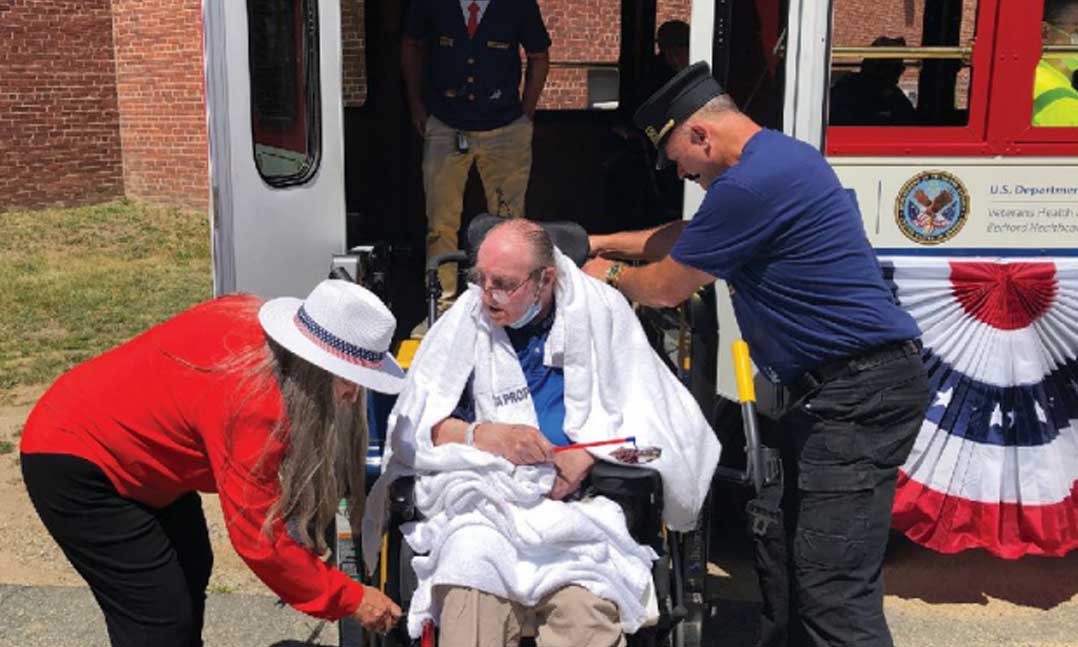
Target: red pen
{"points": [[597, 443]]}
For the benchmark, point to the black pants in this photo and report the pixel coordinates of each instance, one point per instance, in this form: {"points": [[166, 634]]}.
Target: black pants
{"points": [[842, 443], [148, 568]]}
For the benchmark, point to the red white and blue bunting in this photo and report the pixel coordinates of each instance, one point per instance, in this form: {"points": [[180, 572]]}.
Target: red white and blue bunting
{"points": [[995, 465]]}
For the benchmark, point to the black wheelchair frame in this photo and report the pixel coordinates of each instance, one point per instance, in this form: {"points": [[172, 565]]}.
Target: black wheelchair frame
{"points": [[680, 572]]}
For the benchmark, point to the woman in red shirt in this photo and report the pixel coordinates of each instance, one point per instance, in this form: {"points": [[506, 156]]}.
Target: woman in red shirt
{"points": [[260, 403]]}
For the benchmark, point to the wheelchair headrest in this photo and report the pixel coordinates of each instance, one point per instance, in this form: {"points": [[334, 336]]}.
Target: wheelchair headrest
{"points": [[569, 237]]}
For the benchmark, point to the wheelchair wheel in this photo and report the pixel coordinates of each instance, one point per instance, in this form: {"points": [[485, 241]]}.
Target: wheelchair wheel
{"points": [[691, 562], [399, 584]]}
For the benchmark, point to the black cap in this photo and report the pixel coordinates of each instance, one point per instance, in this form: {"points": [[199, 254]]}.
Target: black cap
{"points": [[675, 102]]}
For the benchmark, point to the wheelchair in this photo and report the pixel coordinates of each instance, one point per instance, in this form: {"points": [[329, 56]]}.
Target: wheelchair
{"points": [[679, 573]]}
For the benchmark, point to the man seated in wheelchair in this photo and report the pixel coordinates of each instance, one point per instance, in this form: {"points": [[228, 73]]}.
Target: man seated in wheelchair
{"points": [[533, 356]]}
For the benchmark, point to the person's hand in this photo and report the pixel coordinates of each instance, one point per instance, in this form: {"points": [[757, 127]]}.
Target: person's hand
{"points": [[595, 245], [597, 267], [419, 118], [376, 612], [573, 467], [519, 444]]}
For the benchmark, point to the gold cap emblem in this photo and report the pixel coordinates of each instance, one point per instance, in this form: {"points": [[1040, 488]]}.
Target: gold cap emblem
{"points": [[656, 136]]}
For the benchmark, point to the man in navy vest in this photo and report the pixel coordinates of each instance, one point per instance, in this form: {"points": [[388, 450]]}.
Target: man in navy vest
{"points": [[820, 321], [461, 65]]}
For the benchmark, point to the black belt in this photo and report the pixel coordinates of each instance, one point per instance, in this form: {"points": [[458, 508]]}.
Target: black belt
{"points": [[853, 364]]}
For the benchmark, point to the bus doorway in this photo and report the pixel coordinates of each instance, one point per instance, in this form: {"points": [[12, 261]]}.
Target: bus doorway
{"points": [[589, 164], [748, 54]]}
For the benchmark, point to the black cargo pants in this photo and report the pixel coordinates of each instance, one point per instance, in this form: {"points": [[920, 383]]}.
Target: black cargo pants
{"points": [[843, 438]]}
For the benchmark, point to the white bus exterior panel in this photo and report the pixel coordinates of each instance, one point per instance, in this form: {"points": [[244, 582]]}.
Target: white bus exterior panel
{"points": [[269, 241], [1013, 203]]}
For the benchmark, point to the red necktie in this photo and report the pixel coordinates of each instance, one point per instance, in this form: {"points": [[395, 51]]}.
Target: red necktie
{"points": [[473, 18]]}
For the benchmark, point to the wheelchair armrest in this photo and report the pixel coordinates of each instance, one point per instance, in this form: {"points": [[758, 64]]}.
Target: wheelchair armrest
{"points": [[620, 481], [402, 499], [639, 492]]}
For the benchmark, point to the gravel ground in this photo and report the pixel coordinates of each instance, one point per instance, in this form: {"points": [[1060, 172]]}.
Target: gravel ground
{"points": [[40, 616]]}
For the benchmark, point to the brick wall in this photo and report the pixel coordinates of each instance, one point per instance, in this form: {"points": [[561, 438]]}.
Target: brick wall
{"points": [[580, 31], [672, 10], [102, 98], [59, 126], [162, 100], [587, 31], [353, 48], [859, 22]]}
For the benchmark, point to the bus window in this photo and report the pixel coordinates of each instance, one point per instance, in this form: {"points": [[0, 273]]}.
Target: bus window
{"points": [[901, 63], [750, 38], [670, 56], [283, 59], [1055, 99]]}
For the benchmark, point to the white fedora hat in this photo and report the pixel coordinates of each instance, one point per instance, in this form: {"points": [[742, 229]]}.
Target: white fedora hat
{"points": [[340, 327]]}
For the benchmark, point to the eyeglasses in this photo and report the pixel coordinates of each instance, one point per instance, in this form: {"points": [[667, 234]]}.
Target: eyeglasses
{"points": [[499, 292]]}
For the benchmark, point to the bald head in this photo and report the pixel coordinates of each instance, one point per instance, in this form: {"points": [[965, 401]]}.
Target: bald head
{"points": [[518, 235], [515, 268]]}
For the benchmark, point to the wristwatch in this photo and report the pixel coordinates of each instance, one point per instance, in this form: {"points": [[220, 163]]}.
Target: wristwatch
{"points": [[613, 274], [469, 434]]}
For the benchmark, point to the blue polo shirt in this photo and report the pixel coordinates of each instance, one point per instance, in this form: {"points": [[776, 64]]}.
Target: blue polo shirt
{"points": [[474, 83], [545, 383], [806, 286]]}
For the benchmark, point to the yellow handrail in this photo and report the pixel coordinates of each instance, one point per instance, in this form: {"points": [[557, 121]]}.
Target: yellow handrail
{"points": [[906, 53], [746, 390]]}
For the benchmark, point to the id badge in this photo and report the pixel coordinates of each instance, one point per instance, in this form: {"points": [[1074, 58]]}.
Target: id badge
{"points": [[462, 142]]}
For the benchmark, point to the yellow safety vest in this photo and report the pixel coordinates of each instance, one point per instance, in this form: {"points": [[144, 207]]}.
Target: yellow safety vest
{"points": [[1055, 102]]}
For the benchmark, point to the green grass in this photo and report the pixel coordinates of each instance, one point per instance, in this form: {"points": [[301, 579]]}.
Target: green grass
{"points": [[6, 447], [221, 588], [76, 282]]}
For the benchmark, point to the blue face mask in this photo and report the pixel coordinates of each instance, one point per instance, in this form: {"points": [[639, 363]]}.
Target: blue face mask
{"points": [[531, 313]]}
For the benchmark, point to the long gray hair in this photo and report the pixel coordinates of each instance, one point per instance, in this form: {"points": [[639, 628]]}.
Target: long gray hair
{"points": [[324, 459], [326, 451]]}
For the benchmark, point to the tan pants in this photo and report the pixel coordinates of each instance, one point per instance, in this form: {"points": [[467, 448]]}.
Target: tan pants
{"points": [[504, 158], [569, 617]]}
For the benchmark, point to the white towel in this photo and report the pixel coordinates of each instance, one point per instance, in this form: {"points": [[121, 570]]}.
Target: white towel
{"points": [[489, 524]]}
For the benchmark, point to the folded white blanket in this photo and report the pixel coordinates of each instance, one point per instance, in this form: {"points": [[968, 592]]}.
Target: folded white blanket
{"points": [[488, 524], [496, 530]]}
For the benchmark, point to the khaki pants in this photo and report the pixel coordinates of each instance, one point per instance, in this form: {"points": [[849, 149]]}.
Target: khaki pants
{"points": [[504, 158], [569, 617]]}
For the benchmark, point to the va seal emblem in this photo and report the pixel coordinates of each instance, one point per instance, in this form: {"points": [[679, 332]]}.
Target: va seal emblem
{"points": [[932, 207]]}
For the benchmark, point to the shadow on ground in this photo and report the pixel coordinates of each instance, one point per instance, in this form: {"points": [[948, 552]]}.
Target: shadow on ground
{"points": [[732, 584], [1035, 589], [974, 576]]}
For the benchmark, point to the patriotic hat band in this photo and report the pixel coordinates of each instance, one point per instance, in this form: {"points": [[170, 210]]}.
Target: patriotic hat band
{"points": [[336, 346], [340, 327]]}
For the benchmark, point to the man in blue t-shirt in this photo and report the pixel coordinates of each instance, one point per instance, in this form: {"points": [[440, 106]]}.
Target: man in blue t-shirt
{"points": [[820, 322], [460, 60], [516, 272]]}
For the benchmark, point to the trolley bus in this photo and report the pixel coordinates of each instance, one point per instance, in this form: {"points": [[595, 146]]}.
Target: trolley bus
{"points": [[925, 109]]}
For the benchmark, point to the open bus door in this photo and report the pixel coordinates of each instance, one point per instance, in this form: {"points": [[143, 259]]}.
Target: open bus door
{"points": [[773, 57], [273, 88]]}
